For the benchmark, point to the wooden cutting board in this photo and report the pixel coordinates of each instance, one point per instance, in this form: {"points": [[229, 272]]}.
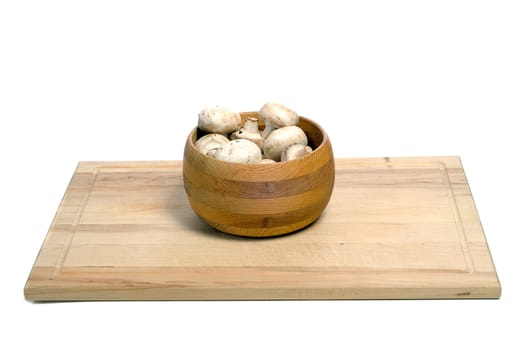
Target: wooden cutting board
{"points": [[395, 228]]}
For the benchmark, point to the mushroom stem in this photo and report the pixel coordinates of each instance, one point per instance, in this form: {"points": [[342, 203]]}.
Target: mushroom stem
{"points": [[249, 131], [251, 125], [295, 151], [268, 129]]}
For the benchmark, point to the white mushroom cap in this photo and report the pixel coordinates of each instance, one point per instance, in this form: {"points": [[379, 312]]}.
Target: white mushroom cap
{"points": [[295, 151], [280, 139], [267, 161], [250, 132], [219, 120], [210, 142], [238, 151], [276, 115]]}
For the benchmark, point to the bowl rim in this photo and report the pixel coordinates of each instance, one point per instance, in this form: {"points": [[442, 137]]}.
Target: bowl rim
{"points": [[192, 139]]}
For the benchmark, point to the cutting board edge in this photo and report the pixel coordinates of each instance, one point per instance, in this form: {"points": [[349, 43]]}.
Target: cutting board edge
{"points": [[46, 294]]}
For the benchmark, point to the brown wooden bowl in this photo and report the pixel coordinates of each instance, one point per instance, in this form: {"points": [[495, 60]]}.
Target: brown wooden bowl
{"points": [[260, 200]]}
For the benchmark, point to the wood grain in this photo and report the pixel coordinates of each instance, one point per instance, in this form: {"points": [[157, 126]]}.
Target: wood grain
{"points": [[397, 228]]}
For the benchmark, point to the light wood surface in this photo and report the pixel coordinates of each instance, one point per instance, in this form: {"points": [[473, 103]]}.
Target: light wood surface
{"points": [[394, 229], [261, 200]]}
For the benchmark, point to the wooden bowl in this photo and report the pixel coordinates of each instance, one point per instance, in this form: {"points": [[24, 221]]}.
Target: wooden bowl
{"points": [[260, 200]]}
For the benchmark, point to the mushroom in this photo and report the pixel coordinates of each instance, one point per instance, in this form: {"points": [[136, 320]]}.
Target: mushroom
{"points": [[280, 139], [267, 161], [250, 132], [238, 151], [275, 116], [295, 151], [210, 142], [219, 120]]}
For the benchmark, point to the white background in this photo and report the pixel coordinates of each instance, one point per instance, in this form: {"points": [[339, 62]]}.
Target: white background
{"points": [[124, 80]]}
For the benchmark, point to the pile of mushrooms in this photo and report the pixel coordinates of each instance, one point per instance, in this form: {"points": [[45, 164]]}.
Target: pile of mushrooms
{"points": [[228, 140]]}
